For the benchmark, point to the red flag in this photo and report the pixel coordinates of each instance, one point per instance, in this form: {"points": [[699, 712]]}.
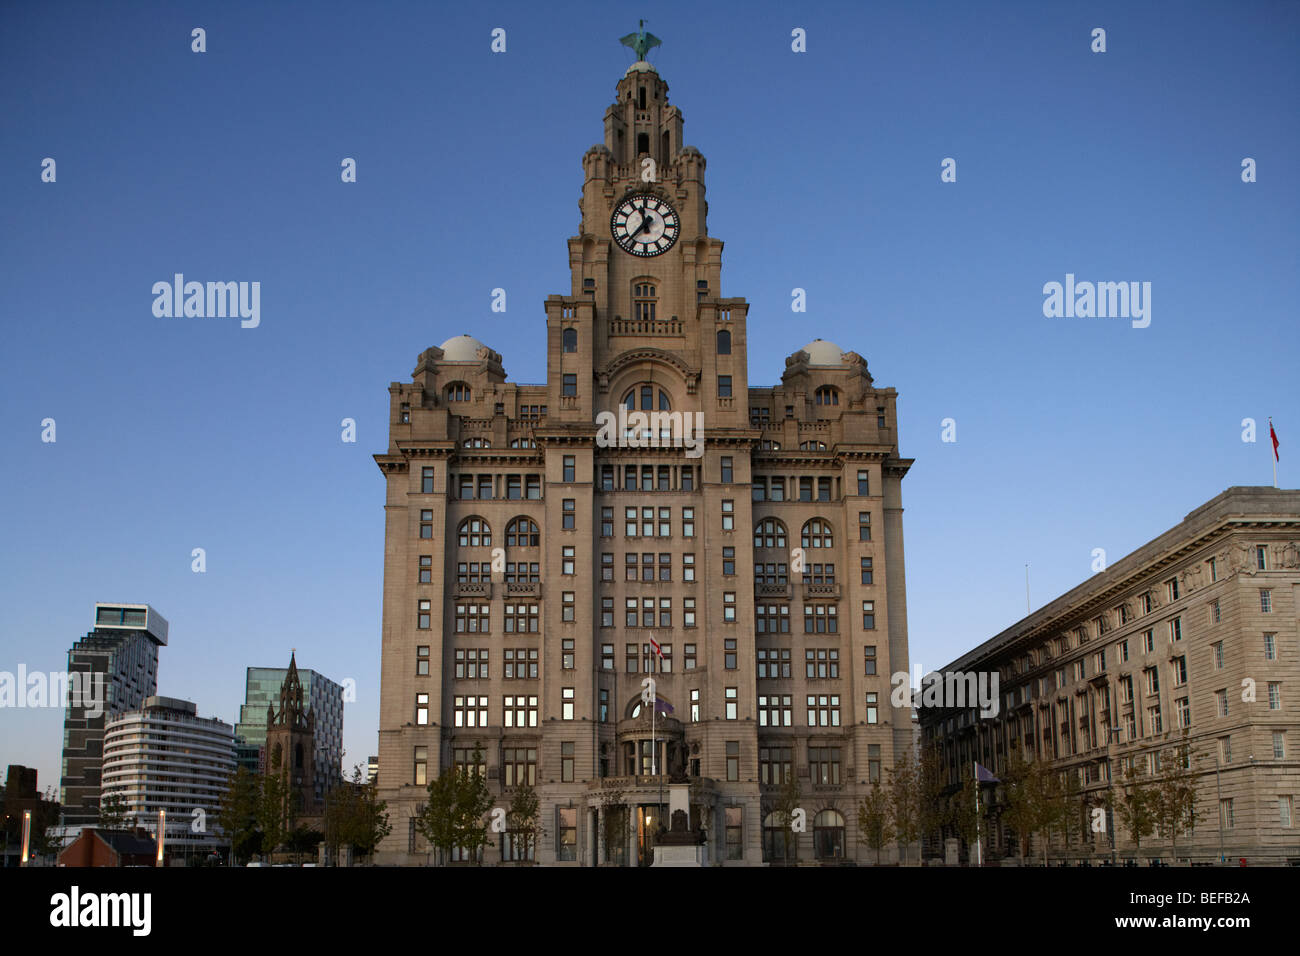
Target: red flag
{"points": [[1273, 435], [657, 649]]}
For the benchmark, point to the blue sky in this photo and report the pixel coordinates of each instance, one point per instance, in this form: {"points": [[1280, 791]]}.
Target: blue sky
{"points": [[823, 174]]}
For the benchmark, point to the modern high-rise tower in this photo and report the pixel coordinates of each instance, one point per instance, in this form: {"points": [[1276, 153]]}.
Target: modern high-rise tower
{"points": [[120, 656], [644, 513]]}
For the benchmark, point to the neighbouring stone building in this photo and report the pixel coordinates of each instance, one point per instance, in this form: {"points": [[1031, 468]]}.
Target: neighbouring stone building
{"points": [[549, 547], [1191, 638]]}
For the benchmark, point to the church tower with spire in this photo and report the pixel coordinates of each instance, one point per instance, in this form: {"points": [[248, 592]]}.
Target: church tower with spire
{"points": [[644, 569], [291, 744]]}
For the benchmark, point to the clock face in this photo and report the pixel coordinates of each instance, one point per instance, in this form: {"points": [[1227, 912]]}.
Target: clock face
{"points": [[645, 225]]}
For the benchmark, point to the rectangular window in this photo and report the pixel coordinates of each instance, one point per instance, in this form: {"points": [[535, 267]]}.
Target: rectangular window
{"points": [[607, 657], [690, 657], [864, 525], [570, 385], [426, 523], [1176, 630], [1270, 647], [1216, 612], [1180, 671], [570, 467], [868, 615], [607, 522], [520, 711], [1217, 648], [728, 514], [1274, 695], [1284, 810], [421, 710], [421, 777], [606, 572], [735, 840], [426, 481], [566, 654], [632, 659], [1279, 745], [729, 654], [872, 708], [822, 618], [566, 703], [404, 415], [1225, 750], [514, 487], [688, 567], [864, 486], [1227, 820], [604, 694], [422, 660], [567, 606], [423, 615], [688, 612], [1184, 707], [533, 487], [569, 514], [606, 477], [729, 606], [695, 704], [728, 561], [869, 655], [824, 710], [873, 763], [724, 386], [470, 711], [866, 571], [566, 762], [1221, 702], [519, 766], [688, 522], [732, 702], [727, 470], [567, 560], [733, 760], [824, 765], [1265, 601], [1149, 640]]}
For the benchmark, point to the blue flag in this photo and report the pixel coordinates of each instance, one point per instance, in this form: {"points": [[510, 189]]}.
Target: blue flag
{"points": [[984, 776]]}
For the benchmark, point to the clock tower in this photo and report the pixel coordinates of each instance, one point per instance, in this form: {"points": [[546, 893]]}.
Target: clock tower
{"points": [[709, 596]]}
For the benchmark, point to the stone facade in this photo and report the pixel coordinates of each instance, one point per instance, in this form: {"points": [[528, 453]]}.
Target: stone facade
{"points": [[534, 562], [1146, 655]]}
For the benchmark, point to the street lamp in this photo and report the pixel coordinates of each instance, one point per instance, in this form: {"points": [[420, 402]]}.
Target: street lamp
{"points": [[1112, 733], [1218, 788]]}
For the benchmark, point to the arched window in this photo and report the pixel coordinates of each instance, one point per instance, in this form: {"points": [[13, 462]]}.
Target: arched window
{"points": [[766, 445], [474, 533], [522, 533], [817, 534], [643, 301], [812, 446], [777, 838], [642, 397], [458, 392], [297, 757], [642, 139], [522, 443], [570, 340], [769, 533], [828, 835], [827, 395], [724, 342], [476, 443]]}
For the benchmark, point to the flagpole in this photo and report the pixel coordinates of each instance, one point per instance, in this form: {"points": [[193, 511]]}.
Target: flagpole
{"points": [[979, 852]]}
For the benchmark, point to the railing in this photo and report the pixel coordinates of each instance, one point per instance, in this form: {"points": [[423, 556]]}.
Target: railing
{"points": [[645, 327]]}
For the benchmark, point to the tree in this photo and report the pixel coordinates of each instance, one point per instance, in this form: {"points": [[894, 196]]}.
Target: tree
{"points": [[453, 817], [437, 821], [237, 816], [371, 826], [904, 802], [616, 825], [1135, 805], [874, 819], [112, 812], [1027, 787], [787, 802], [963, 814], [1173, 796], [355, 816], [523, 819], [932, 809], [302, 839], [273, 818]]}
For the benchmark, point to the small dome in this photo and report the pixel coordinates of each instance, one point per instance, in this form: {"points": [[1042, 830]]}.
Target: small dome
{"points": [[641, 66], [821, 352], [462, 348]]}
